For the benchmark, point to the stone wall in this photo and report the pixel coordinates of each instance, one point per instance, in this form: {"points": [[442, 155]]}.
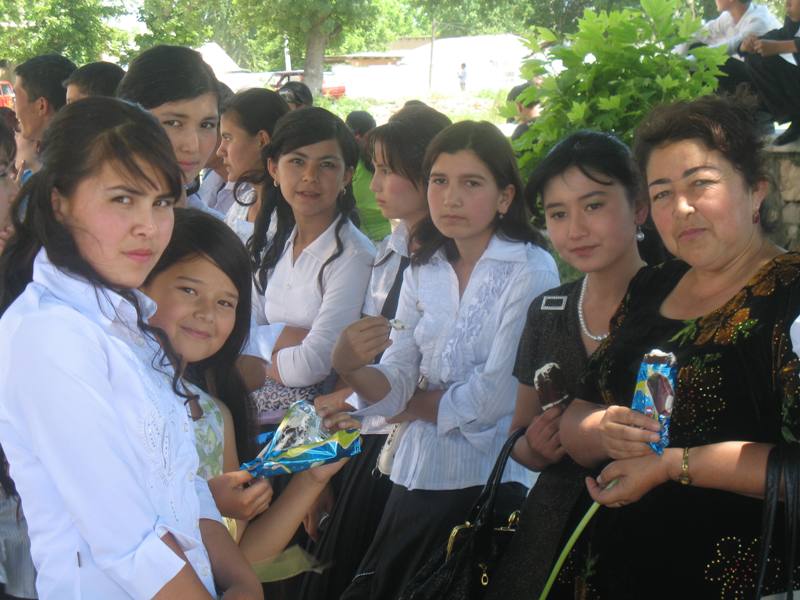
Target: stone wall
{"points": [[784, 201]]}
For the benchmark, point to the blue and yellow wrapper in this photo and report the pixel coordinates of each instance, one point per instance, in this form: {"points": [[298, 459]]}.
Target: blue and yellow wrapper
{"points": [[301, 442], [654, 394]]}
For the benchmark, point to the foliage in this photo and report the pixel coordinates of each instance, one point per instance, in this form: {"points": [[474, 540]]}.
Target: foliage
{"points": [[617, 66], [77, 29], [344, 105]]}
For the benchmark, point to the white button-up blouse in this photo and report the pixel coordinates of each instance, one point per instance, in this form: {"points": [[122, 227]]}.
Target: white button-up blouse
{"points": [[101, 449], [467, 346], [294, 297]]}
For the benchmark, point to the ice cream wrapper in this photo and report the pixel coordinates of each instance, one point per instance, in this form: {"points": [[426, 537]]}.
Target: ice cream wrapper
{"points": [[654, 394], [301, 442]]}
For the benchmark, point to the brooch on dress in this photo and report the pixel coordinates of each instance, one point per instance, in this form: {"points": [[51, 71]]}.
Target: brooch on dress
{"points": [[554, 303]]}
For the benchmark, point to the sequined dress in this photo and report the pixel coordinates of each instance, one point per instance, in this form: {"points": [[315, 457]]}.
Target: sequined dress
{"points": [[738, 379]]}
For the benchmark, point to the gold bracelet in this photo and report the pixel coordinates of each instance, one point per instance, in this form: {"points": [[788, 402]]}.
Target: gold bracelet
{"points": [[683, 477]]}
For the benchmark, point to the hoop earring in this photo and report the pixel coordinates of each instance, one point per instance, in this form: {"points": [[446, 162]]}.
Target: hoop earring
{"points": [[639, 234], [275, 182]]}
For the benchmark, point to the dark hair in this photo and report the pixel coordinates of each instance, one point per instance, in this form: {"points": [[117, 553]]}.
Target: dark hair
{"points": [[164, 74], [603, 158], [256, 110], [493, 149], [8, 144], [360, 122], [515, 93], [9, 117], [405, 138], [296, 129], [82, 138], [296, 92], [198, 234], [224, 92], [96, 79], [42, 76], [724, 124]]}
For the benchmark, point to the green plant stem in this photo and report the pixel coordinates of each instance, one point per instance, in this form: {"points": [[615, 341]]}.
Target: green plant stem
{"points": [[570, 543]]}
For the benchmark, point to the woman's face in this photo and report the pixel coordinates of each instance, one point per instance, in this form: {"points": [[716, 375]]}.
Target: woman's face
{"points": [[192, 128], [311, 178], [196, 307], [121, 224], [240, 151], [701, 205], [464, 198], [396, 196], [592, 225]]}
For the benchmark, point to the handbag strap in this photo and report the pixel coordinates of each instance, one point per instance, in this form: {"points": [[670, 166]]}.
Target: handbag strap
{"points": [[791, 478], [484, 506], [771, 493]]}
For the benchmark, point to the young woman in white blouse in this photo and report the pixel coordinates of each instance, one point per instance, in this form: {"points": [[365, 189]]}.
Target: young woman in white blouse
{"points": [[312, 276], [397, 150], [447, 371], [98, 439], [247, 123]]}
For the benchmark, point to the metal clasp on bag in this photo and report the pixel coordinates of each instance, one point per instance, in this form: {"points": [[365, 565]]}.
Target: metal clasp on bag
{"points": [[454, 535], [513, 521], [484, 574]]}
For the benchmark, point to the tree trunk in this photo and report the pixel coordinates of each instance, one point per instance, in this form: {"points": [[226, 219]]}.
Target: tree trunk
{"points": [[315, 53]]}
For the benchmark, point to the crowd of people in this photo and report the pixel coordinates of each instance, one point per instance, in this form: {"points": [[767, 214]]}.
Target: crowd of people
{"points": [[181, 264]]}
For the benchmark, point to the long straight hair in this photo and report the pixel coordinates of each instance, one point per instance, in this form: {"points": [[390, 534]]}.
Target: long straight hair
{"points": [[199, 235], [302, 127]]}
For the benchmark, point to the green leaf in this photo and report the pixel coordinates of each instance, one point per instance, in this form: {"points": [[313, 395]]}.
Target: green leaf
{"points": [[609, 102], [578, 111]]}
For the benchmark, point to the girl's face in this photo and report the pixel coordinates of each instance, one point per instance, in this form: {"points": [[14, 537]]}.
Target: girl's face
{"points": [[311, 178], [702, 206], [120, 223], [196, 307], [192, 128], [240, 151], [591, 225], [396, 195], [464, 198]]}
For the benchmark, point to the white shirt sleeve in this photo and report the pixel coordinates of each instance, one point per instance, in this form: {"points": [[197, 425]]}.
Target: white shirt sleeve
{"points": [[795, 333], [263, 335], [344, 285], [400, 362], [65, 411], [475, 406]]}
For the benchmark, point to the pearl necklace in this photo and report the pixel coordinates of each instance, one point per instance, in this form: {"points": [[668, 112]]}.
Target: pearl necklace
{"points": [[582, 321]]}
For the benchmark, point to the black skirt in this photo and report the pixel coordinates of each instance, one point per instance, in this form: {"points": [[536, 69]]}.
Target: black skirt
{"points": [[415, 523], [360, 499]]}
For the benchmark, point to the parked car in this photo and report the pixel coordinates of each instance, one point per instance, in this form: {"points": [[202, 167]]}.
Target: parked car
{"points": [[330, 87], [7, 96]]}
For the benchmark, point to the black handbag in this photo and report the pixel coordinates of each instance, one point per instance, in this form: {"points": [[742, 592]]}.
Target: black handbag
{"points": [[783, 464], [461, 569]]}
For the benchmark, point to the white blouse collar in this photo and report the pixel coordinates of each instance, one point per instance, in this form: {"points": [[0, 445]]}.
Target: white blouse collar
{"points": [[396, 242], [325, 245], [99, 304], [498, 249]]}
